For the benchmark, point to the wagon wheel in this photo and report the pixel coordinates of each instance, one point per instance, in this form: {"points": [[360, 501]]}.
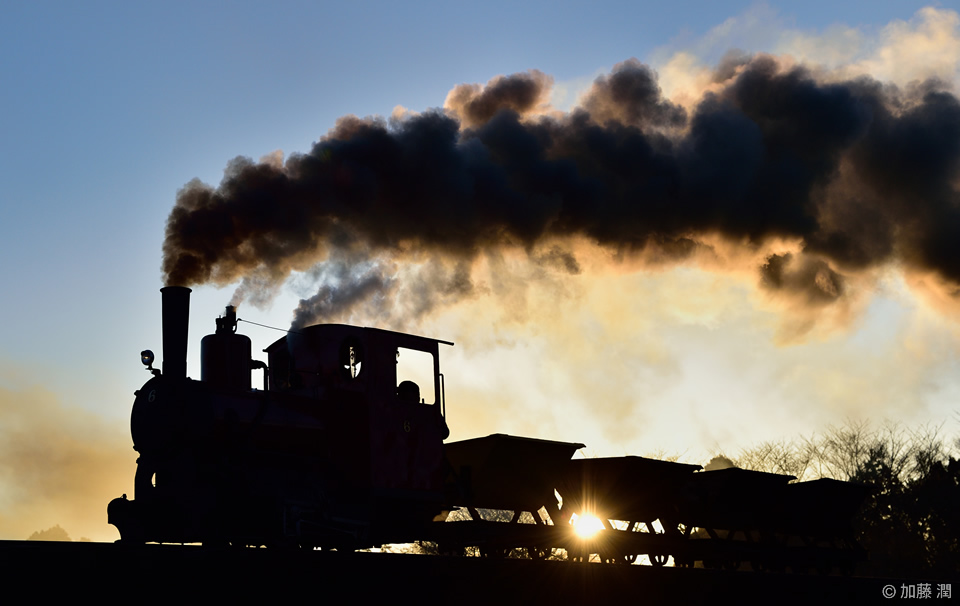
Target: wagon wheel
{"points": [[658, 559], [494, 552], [539, 553], [445, 549], [768, 565]]}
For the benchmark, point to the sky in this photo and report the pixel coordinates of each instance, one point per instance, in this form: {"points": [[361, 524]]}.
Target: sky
{"points": [[110, 110]]}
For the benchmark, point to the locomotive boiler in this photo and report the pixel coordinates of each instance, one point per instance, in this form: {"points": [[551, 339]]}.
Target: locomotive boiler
{"points": [[343, 447]]}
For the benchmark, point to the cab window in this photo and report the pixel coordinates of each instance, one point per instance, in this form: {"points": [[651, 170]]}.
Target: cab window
{"points": [[415, 376]]}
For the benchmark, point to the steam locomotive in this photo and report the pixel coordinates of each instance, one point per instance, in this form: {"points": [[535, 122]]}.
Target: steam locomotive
{"points": [[343, 448]]}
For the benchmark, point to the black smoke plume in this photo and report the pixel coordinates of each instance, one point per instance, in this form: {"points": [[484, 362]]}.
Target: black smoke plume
{"points": [[522, 93], [859, 173]]}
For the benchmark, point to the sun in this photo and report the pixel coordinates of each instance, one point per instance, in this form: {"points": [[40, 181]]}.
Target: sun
{"points": [[586, 526]]}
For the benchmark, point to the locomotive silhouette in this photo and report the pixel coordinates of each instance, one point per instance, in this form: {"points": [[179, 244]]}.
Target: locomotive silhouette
{"points": [[343, 448]]}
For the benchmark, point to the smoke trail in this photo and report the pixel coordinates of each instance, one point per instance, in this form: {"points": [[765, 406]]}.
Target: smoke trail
{"points": [[859, 174], [521, 93], [338, 295], [631, 96]]}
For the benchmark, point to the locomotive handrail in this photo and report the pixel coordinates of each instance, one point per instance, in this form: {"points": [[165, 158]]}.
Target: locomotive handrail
{"points": [[443, 398]]}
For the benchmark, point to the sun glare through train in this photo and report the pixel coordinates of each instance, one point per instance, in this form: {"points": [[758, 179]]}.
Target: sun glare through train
{"points": [[586, 526]]}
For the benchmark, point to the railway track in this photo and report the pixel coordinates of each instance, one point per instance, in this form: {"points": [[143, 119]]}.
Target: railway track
{"points": [[165, 572]]}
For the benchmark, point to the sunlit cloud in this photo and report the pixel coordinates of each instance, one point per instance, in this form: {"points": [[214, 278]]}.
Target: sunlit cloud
{"points": [[925, 46]]}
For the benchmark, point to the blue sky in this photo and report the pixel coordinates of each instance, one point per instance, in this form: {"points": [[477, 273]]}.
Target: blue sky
{"points": [[109, 108]]}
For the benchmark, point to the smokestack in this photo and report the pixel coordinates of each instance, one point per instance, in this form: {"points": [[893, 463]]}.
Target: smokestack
{"points": [[176, 320]]}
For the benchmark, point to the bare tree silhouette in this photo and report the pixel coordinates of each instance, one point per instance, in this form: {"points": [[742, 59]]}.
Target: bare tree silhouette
{"points": [[908, 524]]}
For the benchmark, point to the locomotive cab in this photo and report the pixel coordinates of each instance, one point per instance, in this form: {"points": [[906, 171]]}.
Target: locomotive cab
{"points": [[395, 375], [390, 383]]}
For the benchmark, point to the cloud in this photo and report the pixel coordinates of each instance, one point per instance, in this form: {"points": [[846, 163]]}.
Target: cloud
{"points": [[927, 46], [924, 47]]}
